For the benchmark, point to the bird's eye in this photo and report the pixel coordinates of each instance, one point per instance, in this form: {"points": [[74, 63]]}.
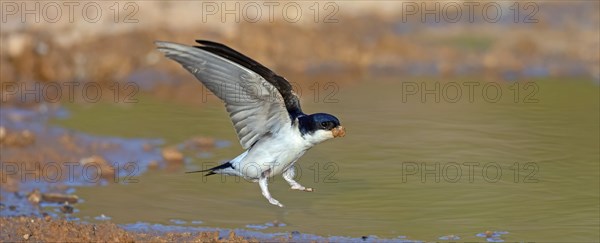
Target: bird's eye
{"points": [[324, 124]]}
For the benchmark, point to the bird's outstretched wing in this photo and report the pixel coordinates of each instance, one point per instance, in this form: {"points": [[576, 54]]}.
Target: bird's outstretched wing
{"points": [[258, 100]]}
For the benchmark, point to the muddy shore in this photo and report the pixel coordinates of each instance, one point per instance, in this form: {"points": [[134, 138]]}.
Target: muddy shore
{"points": [[47, 229]]}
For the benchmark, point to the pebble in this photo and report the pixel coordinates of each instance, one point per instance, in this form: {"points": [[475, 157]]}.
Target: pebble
{"points": [[147, 147], [2, 133], [18, 139], [35, 197], [172, 155], [153, 165], [106, 170], [17, 44], [27, 137], [202, 142], [59, 198], [492, 236], [67, 209]]}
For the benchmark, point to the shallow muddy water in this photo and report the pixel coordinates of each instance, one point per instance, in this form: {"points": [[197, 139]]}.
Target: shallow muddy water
{"points": [[525, 165]]}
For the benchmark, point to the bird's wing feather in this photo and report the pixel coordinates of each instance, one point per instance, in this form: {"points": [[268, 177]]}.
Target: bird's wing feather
{"points": [[254, 104], [291, 101]]}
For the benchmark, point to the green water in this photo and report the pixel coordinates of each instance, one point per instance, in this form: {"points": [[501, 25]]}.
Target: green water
{"points": [[547, 151]]}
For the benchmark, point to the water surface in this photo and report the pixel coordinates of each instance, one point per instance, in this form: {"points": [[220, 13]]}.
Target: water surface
{"points": [[545, 146]]}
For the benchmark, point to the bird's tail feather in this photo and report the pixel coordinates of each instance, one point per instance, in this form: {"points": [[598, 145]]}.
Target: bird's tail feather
{"points": [[212, 170]]}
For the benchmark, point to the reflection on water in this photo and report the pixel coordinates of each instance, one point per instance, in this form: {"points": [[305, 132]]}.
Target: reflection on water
{"points": [[423, 170]]}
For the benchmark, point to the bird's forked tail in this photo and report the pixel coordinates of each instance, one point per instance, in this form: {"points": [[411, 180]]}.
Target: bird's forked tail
{"points": [[213, 170]]}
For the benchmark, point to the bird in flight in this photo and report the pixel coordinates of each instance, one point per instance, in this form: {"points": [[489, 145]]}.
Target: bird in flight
{"points": [[264, 110]]}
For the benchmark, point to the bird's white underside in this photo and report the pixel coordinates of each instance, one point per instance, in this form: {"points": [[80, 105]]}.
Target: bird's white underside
{"points": [[274, 154]]}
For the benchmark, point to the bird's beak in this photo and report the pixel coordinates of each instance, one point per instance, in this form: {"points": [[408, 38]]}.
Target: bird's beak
{"points": [[338, 131]]}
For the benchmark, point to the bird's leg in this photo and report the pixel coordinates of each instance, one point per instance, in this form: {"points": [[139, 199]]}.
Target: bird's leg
{"points": [[288, 175], [265, 191]]}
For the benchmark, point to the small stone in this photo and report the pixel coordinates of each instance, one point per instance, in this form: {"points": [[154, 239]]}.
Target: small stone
{"points": [[11, 139], [59, 198], [106, 170], [2, 133], [26, 236], [172, 155], [147, 147], [204, 142], [17, 44], [27, 137], [66, 138], [216, 236], [35, 197], [153, 165], [67, 209], [199, 142], [18, 139]]}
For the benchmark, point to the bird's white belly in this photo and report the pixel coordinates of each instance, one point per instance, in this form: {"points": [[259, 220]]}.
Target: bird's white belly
{"points": [[271, 157]]}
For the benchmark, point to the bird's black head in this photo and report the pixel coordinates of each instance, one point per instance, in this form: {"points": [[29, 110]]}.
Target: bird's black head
{"points": [[312, 124]]}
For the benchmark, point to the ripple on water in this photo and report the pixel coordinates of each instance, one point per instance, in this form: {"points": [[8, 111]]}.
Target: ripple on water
{"points": [[450, 237], [102, 217], [265, 225], [178, 221]]}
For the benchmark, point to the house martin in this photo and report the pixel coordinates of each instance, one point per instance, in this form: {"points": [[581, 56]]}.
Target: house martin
{"points": [[265, 112]]}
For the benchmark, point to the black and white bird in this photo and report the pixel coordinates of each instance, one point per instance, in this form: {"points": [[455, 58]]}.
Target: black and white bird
{"points": [[264, 110]]}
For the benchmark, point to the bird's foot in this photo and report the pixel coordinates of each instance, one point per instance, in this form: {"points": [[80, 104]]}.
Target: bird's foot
{"points": [[301, 188], [262, 182], [275, 202]]}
